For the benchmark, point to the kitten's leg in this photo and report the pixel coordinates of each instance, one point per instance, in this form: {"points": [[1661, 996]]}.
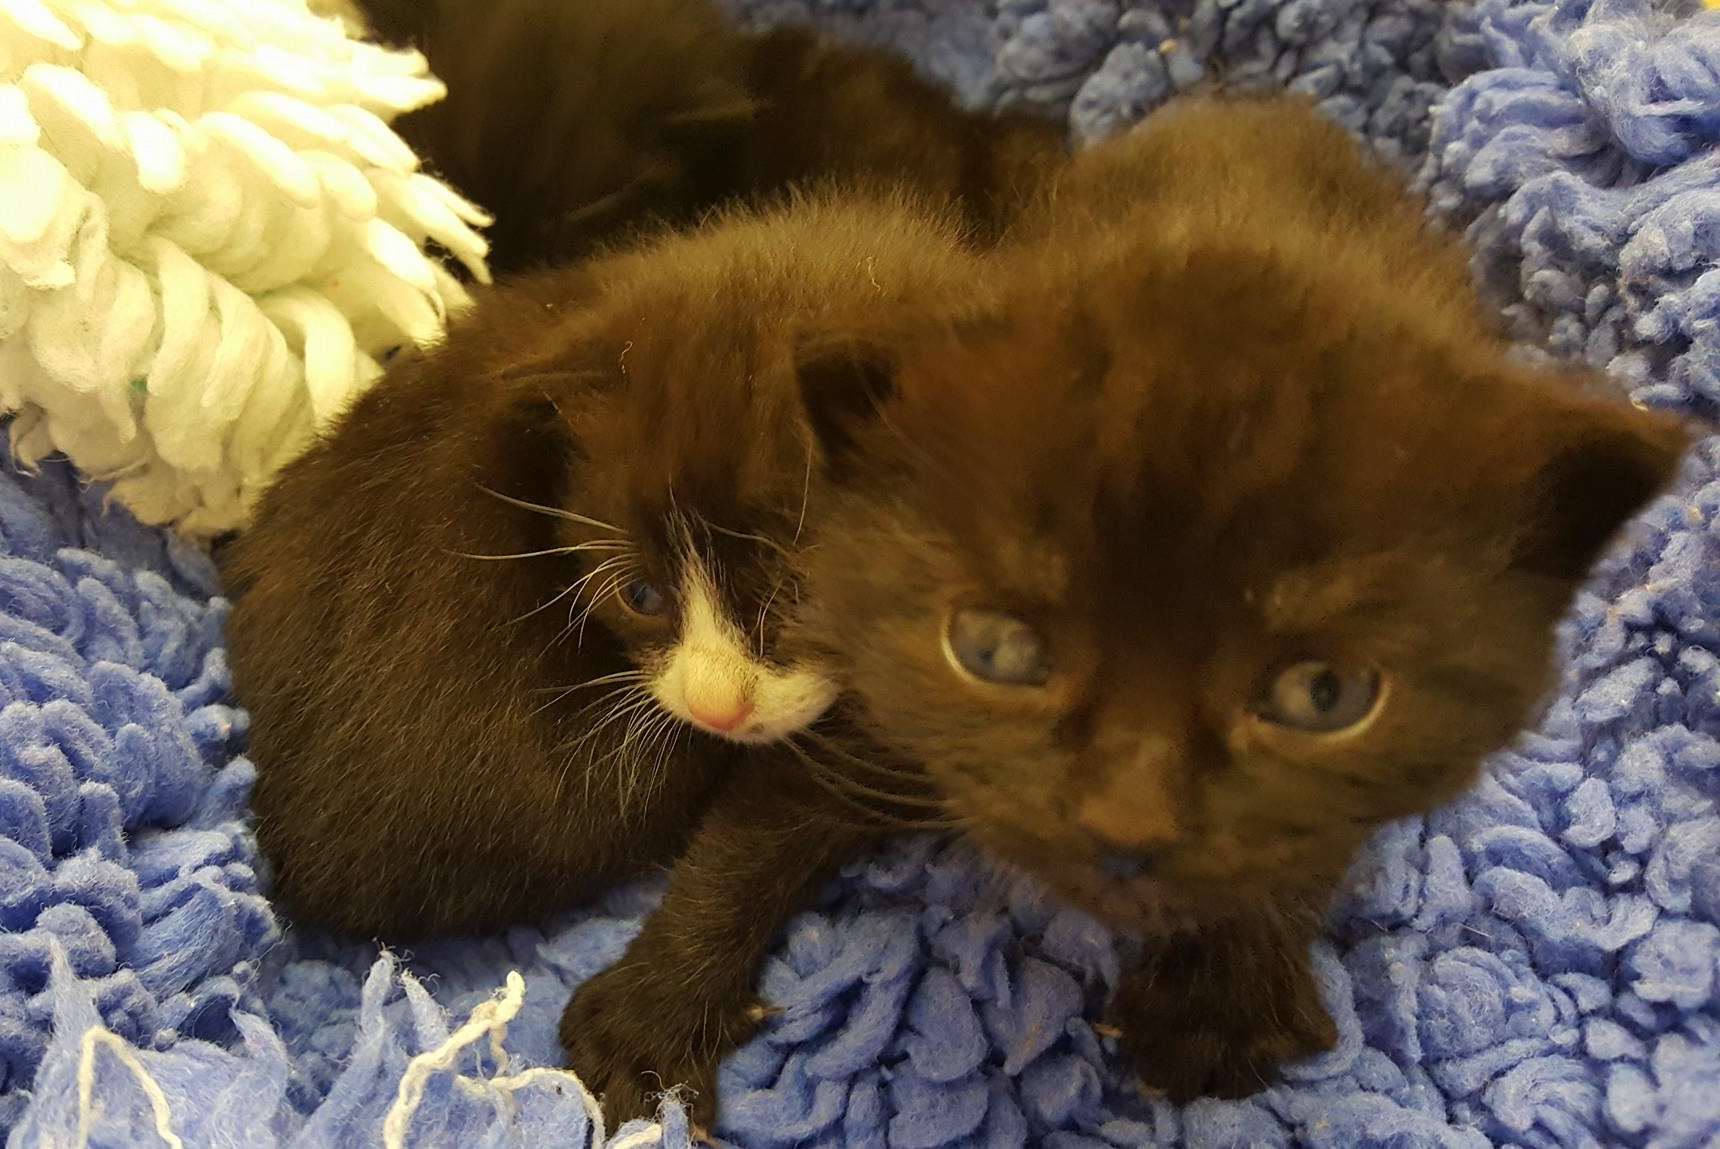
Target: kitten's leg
{"points": [[1216, 1013], [682, 997]]}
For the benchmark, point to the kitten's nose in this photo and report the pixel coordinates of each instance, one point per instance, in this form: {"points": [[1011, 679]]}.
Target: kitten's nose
{"points": [[1133, 823], [721, 718]]}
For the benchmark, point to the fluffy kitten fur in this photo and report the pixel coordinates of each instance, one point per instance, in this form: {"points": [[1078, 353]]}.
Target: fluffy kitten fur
{"points": [[1239, 413], [426, 595], [575, 121]]}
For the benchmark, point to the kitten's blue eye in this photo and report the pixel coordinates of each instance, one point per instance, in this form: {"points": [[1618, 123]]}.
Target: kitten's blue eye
{"points": [[997, 647], [641, 596], [1321, 697]]}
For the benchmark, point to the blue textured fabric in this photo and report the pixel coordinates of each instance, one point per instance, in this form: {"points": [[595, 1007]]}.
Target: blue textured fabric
{"points": [[1537, 966]]}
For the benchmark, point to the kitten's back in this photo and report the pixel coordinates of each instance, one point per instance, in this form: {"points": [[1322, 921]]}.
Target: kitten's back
{"points": [[579, 122], [569, 120], [859, 114]]}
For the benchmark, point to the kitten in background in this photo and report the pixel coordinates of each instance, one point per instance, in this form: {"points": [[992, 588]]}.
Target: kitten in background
{"points": [[579, 122], [1232, 534]]}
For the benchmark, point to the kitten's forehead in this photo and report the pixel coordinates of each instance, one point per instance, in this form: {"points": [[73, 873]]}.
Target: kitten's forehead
{"points": [[1189, 459], [697, 413], [1039, 568]]}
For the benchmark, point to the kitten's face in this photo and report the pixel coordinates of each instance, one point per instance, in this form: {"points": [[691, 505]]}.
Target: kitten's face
{"points": [[672, 373], [697, 493], [1175, 614], [698, 611]]}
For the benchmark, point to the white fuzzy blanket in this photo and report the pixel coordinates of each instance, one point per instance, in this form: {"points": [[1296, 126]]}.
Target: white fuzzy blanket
{"points": [[209, 237]]}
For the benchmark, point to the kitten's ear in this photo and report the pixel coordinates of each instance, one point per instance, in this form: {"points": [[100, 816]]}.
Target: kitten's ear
{"points": [[844, 380], [1604, 463], [532, 443]]}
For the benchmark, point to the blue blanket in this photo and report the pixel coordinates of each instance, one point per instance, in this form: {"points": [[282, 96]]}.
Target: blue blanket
{"points": [[1538, 965]]}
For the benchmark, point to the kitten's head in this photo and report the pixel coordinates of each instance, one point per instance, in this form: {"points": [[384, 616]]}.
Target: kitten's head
{"points": [[690, 464], [684, 503], [1179, 584]]}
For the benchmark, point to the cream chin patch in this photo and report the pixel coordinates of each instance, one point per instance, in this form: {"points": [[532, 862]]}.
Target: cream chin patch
{"points": [[711, 680]]}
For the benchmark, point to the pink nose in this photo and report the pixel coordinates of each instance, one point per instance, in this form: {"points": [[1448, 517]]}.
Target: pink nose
{"points": [[722, 721]]}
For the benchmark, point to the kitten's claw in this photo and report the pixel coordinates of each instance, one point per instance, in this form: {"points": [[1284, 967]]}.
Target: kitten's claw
{"points": [[757, 1014]]}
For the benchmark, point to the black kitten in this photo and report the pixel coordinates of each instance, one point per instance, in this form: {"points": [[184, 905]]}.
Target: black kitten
{"points": [[1233, 534], [515, 628], [578, 121]]}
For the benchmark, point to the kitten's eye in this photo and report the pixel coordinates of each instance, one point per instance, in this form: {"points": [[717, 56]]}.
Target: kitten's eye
{"points": [[642, 597], [995, 647], [1321, 697]]}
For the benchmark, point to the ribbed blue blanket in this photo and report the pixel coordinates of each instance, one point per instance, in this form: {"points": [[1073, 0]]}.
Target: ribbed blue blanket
{"points": [[1537, 966]]}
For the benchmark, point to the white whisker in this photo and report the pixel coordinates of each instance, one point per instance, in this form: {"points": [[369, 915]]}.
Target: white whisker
{"points": [[764, 611], [618, 676], [673, 728], [852, 795], [622, 561], [557, 693], [805, 494], [639, 699], [554, 512], [606, 564], [752, 536], [653, 752], [600, 545], [614, 584], [542, 606], [832, 746], [619, 700], [627, 754]]}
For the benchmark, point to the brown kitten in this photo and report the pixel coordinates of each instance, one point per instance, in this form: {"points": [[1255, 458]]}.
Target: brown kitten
{"points": [[595, 464], [857, 114], [1232, 534], [578, 121], [596, 480]]}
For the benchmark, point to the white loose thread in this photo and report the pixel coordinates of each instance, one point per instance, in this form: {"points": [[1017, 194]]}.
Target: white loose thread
{"points": [[158, 1105], [650, 1136], [490, 1019]]}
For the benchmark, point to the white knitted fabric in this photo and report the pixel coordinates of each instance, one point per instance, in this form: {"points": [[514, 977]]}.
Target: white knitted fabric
{"points": [[209, 237]]}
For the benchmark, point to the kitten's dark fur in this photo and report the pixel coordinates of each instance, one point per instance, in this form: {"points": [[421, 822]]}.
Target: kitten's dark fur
{"points": [[395, 674], [576, 121], [421, 767], [1240, 411]]}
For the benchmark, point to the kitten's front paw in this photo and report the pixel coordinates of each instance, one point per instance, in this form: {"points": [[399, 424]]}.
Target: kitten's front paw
{"points": [[1217, 1036], [632, 1034]]}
